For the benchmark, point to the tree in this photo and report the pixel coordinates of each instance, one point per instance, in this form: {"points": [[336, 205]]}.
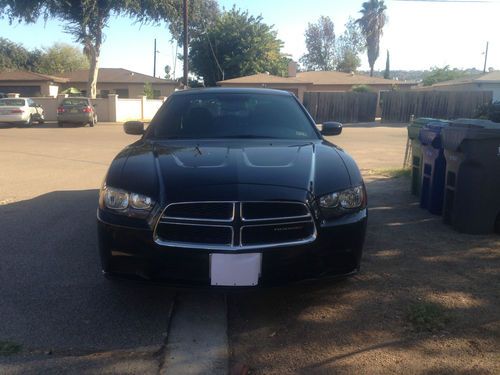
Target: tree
{"points": [[148, 91], [442, 74], [372, 22], [349, 45], [320, 45], [202, 15], [14, 56], [387, 72], [237, 44], [61, 58], [167, 70], [86, 20]]}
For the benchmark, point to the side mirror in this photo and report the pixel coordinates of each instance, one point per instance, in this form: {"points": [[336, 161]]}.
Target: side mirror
{"points": [[331, 128], [134, 127]]}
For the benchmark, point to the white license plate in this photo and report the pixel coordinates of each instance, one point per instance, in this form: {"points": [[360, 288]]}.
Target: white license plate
{"points": [[235, 269], [74, 111]]}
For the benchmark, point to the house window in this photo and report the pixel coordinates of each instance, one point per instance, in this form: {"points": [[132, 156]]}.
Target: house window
{"points": [[104, 93], [122, 93], [156, 94]]}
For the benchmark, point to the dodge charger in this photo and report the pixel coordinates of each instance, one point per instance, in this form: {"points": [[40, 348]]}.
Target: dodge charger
{"points": [[232, 188]]}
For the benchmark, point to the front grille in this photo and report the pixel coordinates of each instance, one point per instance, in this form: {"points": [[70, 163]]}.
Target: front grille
{"points": [[235, 225], [217, 211]]}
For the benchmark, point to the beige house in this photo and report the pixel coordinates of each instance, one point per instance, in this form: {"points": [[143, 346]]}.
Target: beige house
{"points": [[483, 82], [30, 84], [125, 83], [302, 82]]}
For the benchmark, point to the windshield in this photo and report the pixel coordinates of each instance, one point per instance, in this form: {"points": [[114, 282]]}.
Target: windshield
{"points": [[231, 115], [12, 102], [75, 101]]}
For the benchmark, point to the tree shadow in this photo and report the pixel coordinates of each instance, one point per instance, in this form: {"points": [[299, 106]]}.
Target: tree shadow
{"points": [[53, 294], [360, 325]]}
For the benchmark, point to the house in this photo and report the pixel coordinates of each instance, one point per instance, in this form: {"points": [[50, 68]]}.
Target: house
{"points": [[30, 83], [483, 82], [314, 81], [125, 83]]}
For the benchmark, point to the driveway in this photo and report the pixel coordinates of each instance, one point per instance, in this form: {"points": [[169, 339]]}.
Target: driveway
{"points": [[59, 315]]}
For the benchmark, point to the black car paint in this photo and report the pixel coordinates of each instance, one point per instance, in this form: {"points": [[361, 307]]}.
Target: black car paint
{"points": [[230, 170]]}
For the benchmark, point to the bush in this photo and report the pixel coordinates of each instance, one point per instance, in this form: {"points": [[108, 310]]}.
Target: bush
{"points": [[361, 88], [490, 111]]}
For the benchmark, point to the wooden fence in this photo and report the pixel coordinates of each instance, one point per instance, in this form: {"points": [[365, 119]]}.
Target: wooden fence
{"points": [[341, 106], [398, 106]]}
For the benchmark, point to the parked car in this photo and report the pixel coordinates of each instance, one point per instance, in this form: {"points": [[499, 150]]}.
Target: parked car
{"points": [[76, 110], [20, 111], [232, 187]]}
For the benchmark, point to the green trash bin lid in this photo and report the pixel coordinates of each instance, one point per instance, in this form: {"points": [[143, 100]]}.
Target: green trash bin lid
{"points": [[417, 124]]}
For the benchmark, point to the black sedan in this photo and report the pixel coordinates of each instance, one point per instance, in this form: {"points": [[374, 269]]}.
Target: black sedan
{"points": [[232, 187]]}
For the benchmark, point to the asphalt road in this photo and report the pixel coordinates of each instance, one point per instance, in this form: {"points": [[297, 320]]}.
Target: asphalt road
{"points": [[54, 300]]}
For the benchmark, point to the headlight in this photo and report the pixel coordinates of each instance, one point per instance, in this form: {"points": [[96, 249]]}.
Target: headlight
{"points": [[121, 201], [140, 202], [334, 204], [115, 199]]}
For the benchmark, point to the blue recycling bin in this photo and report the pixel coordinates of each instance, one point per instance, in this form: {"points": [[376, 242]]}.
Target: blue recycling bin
{"points": [[433, 167]]}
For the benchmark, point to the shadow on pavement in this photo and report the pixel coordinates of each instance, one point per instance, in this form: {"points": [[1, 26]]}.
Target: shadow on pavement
{"points": [[53, 295]]}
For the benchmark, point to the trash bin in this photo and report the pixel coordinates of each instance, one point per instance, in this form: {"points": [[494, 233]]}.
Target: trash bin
{"points": [[433, 167], [416, 152], [472, 186]]}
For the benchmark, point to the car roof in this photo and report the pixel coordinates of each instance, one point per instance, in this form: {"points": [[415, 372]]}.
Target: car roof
{"points": [[76, 97], [231, 90]]}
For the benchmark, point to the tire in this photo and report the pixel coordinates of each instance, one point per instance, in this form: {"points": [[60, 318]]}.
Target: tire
{"points": [[41, 121], [30, 122], [93, 122]]}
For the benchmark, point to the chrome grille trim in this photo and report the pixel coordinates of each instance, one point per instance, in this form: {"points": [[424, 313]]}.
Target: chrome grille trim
{"points": [[237, 220]]}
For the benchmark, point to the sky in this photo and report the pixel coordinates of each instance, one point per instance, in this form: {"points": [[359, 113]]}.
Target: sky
{"points": [[419, 34]]}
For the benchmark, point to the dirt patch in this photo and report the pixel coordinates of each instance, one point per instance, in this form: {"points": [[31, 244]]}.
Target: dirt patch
{"points": [[364, 325]]}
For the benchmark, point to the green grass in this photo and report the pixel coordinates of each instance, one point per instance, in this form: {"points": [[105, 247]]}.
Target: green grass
{"points": [[428, 317], [391, 172], [8, 348]]}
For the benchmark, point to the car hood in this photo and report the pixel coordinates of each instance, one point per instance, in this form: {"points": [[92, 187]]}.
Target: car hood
{"points": [[176, 168]]}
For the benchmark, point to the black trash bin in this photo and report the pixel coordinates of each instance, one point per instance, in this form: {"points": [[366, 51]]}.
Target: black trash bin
{"points": [[471, 197], [434, 167]]}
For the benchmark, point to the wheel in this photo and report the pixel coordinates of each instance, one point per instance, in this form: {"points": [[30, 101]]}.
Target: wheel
{"points": [[30, 121], [93, 122], [60, 124], [41, 120]]}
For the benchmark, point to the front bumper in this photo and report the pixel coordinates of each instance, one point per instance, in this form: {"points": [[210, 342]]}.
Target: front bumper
{"points": [[131, 252]]}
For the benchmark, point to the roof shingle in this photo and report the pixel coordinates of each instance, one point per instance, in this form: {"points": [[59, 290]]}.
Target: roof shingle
{"points": [[316, 78], [18, 75], [114, 75]]}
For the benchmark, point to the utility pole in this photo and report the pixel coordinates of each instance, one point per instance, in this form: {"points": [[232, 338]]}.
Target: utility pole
{"points": [[485, 57], [186, 41], [154, 61]]}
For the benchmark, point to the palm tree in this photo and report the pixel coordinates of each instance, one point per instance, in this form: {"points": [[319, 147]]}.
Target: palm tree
{"points": [[372, 22]]}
